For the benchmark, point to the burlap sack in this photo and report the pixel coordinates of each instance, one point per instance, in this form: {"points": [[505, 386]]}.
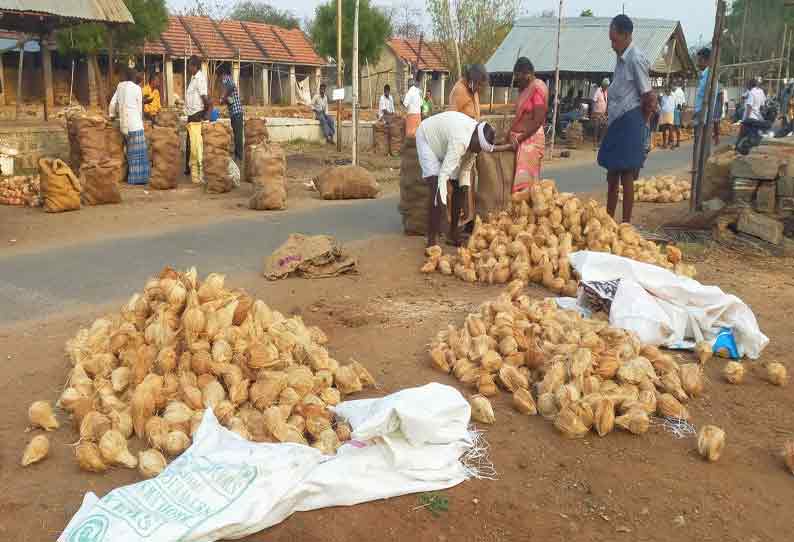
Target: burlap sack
{"points": [[217, 146], [91, 133], [255, 131], [100, 182], [268, 169], [347, 182], [397, 130], [495, 172], [60, 188], [414, 192], [167, 119], [166, 168]]}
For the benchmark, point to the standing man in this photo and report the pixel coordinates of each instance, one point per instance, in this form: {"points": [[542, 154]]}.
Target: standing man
{"points": [[600, 101], [679, 99], [631, 104], [667, 118], [320, 108], [754, 102], [127, 105], [427, 105], [465, 95], [386, 113], [413, 105], [231, 97], [198, 107]]}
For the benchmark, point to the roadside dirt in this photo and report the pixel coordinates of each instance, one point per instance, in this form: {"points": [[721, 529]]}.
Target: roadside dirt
{"points": [[649, 488]]}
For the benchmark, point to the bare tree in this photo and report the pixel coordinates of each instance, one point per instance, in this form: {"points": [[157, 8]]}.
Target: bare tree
{"points": [[406, 21]]}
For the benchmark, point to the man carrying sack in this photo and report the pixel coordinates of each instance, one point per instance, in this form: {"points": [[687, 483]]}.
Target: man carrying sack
{"points": [[197, 108]]}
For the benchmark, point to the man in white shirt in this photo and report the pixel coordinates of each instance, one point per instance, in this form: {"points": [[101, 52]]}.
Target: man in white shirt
{"points": [[127, 105], [679, 99], [445, 145], [198, 107], [386, 114], [755, 100], [667, 117], [413, 105], [320, 108]]}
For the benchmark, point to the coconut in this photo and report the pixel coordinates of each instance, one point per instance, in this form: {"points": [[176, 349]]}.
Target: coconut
{"points": [[113, 447], [486, 385], [343, 431], [89, 457], [156, 432], [569, 424], [691, 379], [733, 372], [176, 442], [263, 355], [547, 405], [151, 463], [36, 450], [511, 379], [212, 393], [481, 410], [120, 378], [166, 360], [211, 288], [300, 379], [264, 392], [298, 422], [327, 442], [330, 396], [200, 361], [94, 425], [347, 380], [607, 366], [40, 415], [237, 426], [604, 417], [177, 415], [705, 351], [121, 421], [776, 374], [711, 442], [670, 407], [523, 402], [438, 359], [634, 421]]}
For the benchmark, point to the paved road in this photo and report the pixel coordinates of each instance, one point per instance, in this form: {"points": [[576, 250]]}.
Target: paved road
{"points": [[36, 284]]}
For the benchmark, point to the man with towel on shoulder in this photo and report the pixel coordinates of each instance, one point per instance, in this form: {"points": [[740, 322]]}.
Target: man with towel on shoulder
{"points": [[631, 104], [447, 145]]}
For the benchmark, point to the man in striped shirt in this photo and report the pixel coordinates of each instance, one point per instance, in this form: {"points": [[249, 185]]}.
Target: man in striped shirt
{"points": [[231, 97]]}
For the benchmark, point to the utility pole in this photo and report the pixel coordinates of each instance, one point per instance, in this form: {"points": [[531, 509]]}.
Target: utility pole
{"points": [[782, 56], [339, 81], [556, 84], [355, 85], [741, 42], [704, 127]]}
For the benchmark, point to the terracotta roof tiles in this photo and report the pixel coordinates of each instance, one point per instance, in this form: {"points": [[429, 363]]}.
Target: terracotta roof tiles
{"points": [[432, 58]]}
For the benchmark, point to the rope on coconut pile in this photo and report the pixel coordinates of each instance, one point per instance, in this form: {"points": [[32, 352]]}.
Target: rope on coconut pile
{"points": [[476, 460], [679, 428]]}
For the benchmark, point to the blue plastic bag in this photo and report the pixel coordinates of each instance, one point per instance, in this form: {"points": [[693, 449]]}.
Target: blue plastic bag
{"points": [[725, 344]]}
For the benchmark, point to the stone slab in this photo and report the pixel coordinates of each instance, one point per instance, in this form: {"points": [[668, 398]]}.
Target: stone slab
{"points": [[765, 197], [759, 166], [762, 226]]}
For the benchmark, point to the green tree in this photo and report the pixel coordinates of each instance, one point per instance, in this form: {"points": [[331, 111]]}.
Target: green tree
{"points": [[374, 29], [151, 18], [586, 13], [260, 12], [478, 27]]}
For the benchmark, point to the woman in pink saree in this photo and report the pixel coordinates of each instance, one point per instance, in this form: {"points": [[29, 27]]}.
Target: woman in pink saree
{"points": [[526, 133]]}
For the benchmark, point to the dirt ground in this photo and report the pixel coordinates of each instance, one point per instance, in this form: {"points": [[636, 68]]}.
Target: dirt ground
{"points": [[653, 487]]}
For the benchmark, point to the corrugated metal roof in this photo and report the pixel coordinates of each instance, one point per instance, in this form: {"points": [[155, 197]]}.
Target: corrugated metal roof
{"points": [[114, 11], [432, 58], [584, 44]]}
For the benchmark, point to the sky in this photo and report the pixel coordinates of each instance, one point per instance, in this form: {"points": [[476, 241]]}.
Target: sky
{"points": [[698, 22]]}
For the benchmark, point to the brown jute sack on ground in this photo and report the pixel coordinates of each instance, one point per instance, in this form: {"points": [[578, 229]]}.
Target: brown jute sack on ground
{"points": [[317, 256], [495, 172], [114, 143], [215, 163], [91, 135], [347, 182], [166, 167], [100, 182], [397, 130], [267, 171], [60, 188], [414, 192], [255, 131]]}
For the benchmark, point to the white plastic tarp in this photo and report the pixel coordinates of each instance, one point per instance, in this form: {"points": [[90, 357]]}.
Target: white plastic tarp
{"points": [[664, 308], [224, 487]]}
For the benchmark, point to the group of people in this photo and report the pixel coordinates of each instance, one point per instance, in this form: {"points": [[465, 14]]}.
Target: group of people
{"points": [[134, 101]]}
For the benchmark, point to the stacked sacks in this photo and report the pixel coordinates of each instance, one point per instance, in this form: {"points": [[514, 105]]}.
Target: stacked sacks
{"points": [[397, 130], [100, 181], [533, 241], [90, 134], [167, 119], [267, 171], [217, 153], [347, 182], [414, 191], [166, 166], [255, 134], [579, 373], [181, 346]]}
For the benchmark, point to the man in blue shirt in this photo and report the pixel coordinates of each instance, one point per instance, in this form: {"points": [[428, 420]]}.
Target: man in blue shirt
{"points": [[232, 98], [631, 104], [703, 63]]}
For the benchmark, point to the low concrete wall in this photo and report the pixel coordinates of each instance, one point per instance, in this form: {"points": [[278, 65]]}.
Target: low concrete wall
{"points": [[33, 142], [282, 130]]}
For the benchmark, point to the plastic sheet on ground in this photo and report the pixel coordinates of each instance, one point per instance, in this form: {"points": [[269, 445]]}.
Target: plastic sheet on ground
{"points": [[224, 487], [666, 309]]}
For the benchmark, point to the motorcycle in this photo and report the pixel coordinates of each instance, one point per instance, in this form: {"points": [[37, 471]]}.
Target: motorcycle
{"points": [[751, 134]]}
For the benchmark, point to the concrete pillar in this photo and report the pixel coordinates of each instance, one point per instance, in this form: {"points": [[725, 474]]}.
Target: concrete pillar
{"points": [[293, 100], [507, 95], [236, 78], [93, 91], [168, 80], [443, 89], [265, 86], [318, 79]]}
